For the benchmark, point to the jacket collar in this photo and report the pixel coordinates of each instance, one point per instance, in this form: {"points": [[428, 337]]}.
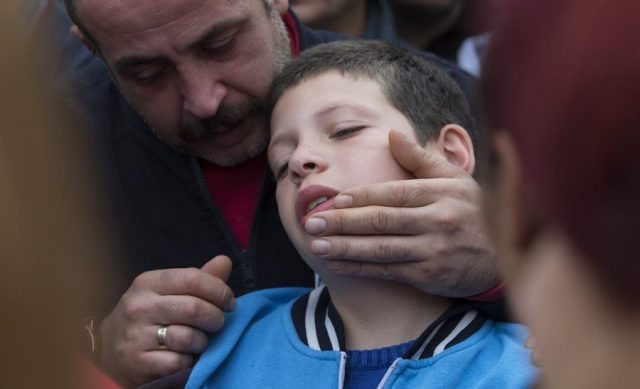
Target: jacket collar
{"points": [[320, 327]]}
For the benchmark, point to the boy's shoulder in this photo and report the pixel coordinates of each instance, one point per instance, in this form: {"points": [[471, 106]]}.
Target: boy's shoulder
{"points": [[493, 357]]}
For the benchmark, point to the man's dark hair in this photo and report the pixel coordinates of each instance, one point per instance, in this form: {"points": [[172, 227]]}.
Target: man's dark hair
{"points": [[425, 94], [72, 10]]}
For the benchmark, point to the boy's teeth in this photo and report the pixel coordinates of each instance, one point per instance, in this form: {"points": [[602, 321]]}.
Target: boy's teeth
{"points": [[316, 202]]}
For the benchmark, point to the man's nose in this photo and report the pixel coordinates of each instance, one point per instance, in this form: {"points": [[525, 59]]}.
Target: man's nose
{"points": [[202, 92]]}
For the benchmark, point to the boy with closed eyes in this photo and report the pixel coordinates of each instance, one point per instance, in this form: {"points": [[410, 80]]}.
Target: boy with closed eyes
{"points": [[332, 111]]}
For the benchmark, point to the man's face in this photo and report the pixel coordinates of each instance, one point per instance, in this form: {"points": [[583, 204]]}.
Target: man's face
{"points": [[198, 71], [330, 133]]}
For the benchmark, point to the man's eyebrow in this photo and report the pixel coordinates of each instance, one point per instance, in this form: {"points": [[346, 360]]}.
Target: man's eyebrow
{"points": [[125, 63], [217, 29]]}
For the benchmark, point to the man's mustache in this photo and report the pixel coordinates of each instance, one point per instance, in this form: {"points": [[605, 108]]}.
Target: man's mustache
{"points": [[227, 117]]}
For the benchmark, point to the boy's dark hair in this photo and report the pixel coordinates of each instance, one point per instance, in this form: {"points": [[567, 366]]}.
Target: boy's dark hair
{"points": [[419, 89]]}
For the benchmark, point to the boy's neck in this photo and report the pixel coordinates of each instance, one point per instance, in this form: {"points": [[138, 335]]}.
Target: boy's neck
{"points": [[378, 313]]}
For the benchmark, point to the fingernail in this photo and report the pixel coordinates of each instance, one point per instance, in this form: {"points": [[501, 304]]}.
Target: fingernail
{"points": [[320, 246], [344, 201], [315, 225], [232, 306]]}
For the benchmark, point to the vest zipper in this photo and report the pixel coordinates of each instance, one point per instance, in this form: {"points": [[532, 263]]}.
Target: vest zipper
{"points": [[244, 258]]}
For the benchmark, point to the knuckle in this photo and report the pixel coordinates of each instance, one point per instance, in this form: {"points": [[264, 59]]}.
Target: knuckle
{"points": [[445, 221], [396, 193], [388, 271], [403, 251], [186, 340], [441, 248], [363, 197], [339, 222], [142, 279], [224, 296], [383, 250], [217, 322], [191, 279], [407, 193], [190, 309], [133, 309], [434, 273], [381, 221], [341, 249]]}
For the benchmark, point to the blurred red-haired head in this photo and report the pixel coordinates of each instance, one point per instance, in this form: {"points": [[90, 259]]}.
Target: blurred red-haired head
{"points": [[563, 78]]}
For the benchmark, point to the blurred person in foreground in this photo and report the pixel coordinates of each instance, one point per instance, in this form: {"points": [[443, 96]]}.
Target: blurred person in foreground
{"points": [[565, 194], [49, 226]]}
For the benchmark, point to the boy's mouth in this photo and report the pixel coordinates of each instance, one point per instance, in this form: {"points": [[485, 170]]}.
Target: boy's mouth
{"points": [[314, 199]]}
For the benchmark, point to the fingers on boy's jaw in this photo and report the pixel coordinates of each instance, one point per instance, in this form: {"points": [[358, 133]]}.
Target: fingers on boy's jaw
{"points": [[385, 271], [370, 221], [405, 193], [367, 249]]}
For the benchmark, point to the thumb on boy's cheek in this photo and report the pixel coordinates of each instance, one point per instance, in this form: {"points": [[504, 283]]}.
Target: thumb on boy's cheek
{"points": [[407, 152]]}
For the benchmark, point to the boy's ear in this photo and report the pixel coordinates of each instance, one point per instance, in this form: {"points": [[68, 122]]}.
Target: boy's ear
{"points": [[75, 31], [281, 5], [456, 146]]}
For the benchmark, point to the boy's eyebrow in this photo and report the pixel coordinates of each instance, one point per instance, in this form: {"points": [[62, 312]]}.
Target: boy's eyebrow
{"points": [[361, 109], [215, 30]]}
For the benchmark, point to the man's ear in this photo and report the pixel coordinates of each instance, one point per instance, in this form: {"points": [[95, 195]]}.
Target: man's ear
{"points": [[75, 30], [456, 146], [281, 5]]}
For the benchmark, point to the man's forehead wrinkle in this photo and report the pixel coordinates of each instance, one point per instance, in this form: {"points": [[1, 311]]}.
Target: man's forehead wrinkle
{"points": [[124, 17]]}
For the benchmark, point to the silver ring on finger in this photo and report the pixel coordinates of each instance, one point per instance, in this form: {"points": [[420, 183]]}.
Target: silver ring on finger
{"points": [[161, 337]]}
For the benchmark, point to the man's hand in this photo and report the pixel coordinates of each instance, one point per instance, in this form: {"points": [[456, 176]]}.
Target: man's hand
{"points": [[428, 232], [189, 302]]}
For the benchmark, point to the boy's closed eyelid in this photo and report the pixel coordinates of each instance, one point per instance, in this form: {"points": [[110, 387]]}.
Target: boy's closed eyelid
{"points": [[343, 131]]}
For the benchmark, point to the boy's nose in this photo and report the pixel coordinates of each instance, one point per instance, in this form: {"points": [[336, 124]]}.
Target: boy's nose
{"points": [[301, 165]]}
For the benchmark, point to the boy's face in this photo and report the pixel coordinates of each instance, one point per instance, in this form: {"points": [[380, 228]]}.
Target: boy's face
{"points": [[330, 133]]}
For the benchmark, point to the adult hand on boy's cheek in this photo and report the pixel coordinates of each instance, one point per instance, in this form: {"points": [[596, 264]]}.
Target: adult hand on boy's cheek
{"points": [[428, 232]]}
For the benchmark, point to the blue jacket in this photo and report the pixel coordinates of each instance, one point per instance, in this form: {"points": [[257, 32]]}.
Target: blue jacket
{"points": [[279, 338]]}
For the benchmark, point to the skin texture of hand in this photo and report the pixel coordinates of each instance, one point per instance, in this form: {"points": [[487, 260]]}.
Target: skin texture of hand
{"points": [[191, 302], [427, 232]]}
